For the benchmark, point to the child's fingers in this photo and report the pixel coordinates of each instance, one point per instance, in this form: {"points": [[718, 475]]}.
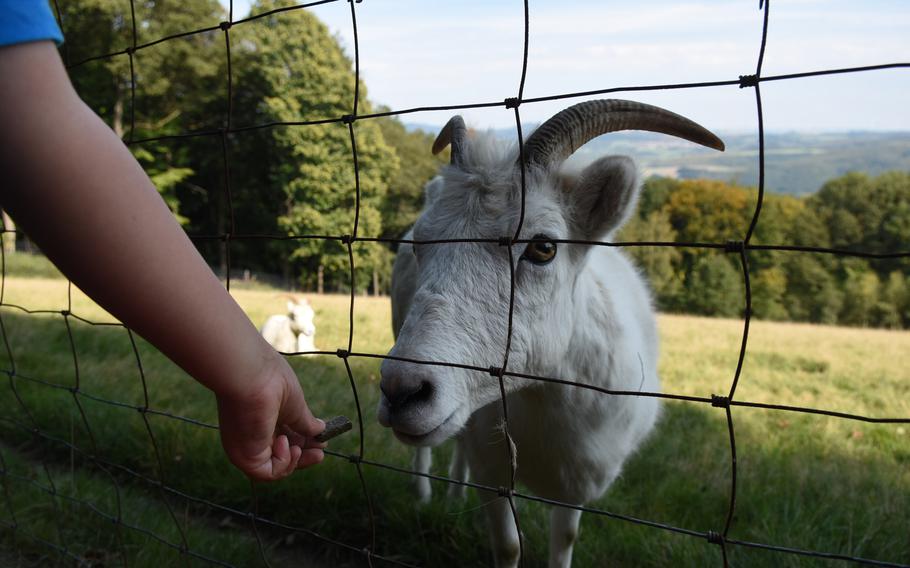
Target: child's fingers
{"points": [[302, 421], [298, 422], [281, 455], [301, 441], [296, 453], [310, 456], [284, 457]]}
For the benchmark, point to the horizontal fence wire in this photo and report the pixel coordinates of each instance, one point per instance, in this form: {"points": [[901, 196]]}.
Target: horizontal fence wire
{"points": [[122, 476]]}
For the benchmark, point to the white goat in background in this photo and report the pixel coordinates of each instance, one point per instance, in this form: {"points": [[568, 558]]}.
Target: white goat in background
{"points": [[584, 315], [294, 331]]}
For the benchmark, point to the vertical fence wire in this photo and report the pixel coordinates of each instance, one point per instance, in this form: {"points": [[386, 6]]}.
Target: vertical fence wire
{"points": [[721, 539], [119, 475], [510, 448]]}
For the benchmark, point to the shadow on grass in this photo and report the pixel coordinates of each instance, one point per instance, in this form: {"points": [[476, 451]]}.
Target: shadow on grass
{"points": [[806, 482]]}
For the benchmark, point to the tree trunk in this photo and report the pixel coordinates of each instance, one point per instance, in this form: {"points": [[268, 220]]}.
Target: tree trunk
{"points": [[9, 237], [320, 275], [117, 119], [375, 282], [286, 274], [220, 228]]}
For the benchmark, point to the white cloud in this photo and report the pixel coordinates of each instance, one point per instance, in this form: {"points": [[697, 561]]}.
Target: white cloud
{"points": [[417, 53]]}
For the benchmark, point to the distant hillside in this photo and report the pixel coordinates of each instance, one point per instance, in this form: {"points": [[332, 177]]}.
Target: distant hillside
{"points": [[796, 163]]}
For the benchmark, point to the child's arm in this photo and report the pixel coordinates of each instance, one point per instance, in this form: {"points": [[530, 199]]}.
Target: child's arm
{"points": [[75, 189]]}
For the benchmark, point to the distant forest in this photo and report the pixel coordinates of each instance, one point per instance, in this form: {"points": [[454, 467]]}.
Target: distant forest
{"points": [[855, 212], [300, 180]]}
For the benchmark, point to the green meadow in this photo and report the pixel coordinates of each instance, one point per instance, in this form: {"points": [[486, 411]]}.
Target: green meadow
{"points": [[75, 463]]}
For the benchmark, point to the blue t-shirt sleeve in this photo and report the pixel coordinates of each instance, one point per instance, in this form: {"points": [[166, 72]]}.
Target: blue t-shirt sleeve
{"points": [[27, 20]]}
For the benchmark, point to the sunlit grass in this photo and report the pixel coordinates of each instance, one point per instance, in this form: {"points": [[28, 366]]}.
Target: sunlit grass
{"points": [[809, 482]]}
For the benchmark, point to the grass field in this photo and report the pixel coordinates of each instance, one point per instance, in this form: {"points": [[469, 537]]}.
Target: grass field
{"points": [[804, 481]]}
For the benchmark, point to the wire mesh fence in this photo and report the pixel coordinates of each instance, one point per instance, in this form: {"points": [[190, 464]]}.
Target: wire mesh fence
{"points": [[122, 478]]}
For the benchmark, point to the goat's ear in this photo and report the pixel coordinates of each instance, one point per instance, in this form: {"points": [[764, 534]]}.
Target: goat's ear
{"points": [[603, 196], [291, 305]]}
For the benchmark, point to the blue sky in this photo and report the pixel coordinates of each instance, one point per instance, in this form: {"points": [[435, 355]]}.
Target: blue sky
{"points": [[422, 53]]}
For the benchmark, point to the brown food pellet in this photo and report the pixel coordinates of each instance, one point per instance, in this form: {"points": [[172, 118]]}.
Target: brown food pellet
{"points": [[334, 427]]}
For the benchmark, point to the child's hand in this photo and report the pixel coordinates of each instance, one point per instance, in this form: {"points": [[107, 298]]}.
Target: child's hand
{"points": [[267, 432]]}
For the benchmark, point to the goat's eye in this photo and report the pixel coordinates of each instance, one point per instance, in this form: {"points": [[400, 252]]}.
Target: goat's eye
{"points": [[540, 251]]}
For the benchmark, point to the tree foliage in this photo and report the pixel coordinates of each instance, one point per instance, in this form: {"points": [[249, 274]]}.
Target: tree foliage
{"points": [[854, 212], [417, 165], [290, 69], [174, 82], [292, 182], [264, 196]]}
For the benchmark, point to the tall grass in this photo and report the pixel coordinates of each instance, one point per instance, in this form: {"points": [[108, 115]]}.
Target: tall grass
{"points": [[808, 482]]}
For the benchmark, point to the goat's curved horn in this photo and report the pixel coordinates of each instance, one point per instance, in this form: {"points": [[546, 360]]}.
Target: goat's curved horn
{"points": [[454, 133], [568, 130]]}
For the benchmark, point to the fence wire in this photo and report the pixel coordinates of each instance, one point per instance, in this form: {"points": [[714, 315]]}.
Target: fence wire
{"points": [[121, 476]]}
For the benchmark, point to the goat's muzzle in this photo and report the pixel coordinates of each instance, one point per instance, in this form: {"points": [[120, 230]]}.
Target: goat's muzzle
{"points": [[414, 406], [406, 387]]}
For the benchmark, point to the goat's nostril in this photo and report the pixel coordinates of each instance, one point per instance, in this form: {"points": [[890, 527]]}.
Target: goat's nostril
{"points": [[408, 393], [422, 394]]}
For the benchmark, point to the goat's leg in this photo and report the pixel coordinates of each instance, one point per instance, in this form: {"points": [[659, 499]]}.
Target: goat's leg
{"points": [[423, 459], [485, 447], [458, 470], [503, 532], [563, 532]]}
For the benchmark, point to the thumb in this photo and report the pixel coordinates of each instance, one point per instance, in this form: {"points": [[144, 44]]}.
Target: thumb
{"points": [[296, 416]]}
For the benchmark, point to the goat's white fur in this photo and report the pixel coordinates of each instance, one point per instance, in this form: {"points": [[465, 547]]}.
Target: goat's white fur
{"points": [[404, 276], [293, 331], [587, 316]]}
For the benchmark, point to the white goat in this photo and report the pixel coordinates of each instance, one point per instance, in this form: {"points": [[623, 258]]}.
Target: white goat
{"points": [[404, 278], [584, 315], [294, 331]]}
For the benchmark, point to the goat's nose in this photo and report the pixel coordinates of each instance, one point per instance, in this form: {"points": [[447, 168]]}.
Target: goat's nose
{"points": [[404, 385]]}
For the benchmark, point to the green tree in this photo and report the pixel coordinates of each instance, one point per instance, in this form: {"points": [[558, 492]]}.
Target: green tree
{"points": [[777, 224], [867, 214], [710, 211], [292, 70], [861, 295], [707, 211], [895, 301], [714, 288], [769, 289], [175, 81], [654, 194], [871, 214], [660, 263], [418, 165], [853, 212], [813, 293]]}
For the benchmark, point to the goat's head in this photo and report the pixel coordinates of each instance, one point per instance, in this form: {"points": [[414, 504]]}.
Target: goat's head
{"points": [[460, 306], [301, 314]]}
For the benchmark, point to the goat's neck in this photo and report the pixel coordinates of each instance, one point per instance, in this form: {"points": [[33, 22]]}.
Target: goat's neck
{"points": [[599, 345]]}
